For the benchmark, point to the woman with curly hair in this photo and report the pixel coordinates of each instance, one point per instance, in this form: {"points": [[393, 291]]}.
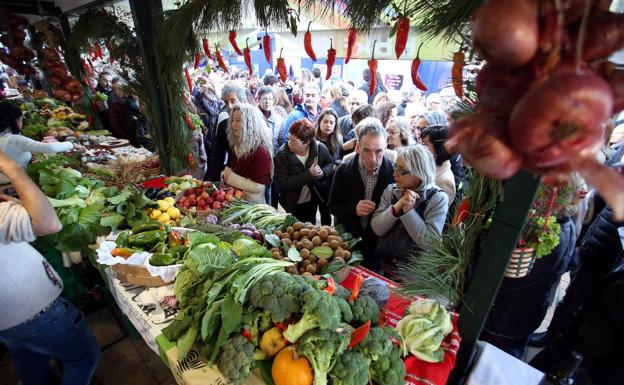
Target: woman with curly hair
{"points": [[251, 165]]}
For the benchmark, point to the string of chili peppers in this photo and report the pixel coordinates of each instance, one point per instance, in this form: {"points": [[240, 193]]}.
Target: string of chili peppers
{"points": [[232, 39], [414, 72], [266, 46], [206, 48], [281, 67], [350, 43], [220, 59], [307, 43], [247, 56], [402, 32], [372, 66], [331, 59]]}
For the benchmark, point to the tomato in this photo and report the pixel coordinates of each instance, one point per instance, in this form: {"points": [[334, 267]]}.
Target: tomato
{"points": [[201, 202], [216, 206], [205, 195], [229, 197]]}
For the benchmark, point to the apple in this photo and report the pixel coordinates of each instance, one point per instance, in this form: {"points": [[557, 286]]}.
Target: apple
{"points": [[193, 196], [204, 195], [209, 200], [201, 202], [219, 198], [215, 193], [182, 200], [192, 201], [188, 192], [229, 197], [216, 206]]}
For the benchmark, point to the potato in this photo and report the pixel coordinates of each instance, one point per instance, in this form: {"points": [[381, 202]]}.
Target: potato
{"points": [[307, 244], [334, 244], [296, 236], [323, 233], [306, 274], [310, 226], [285, 236], [276, 255], [298, 245], [316, 241], [339, 253], [304, 233], [287, 241], [298, 226], [306, 262], [334, 232], [322, 263], [290, 230], [313, 258], [292, 270], [311, 269], [305, 253], [278, 232], [313, 233], [347, 255]]}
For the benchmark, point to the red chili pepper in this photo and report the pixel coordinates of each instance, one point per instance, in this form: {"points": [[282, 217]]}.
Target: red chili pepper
{"points": [[206, 48], [188, 79], [266, 46], [331, 59], [234, 44], [372, 66], [191, 159], [86, 67], [281, 67], [331, 286], [98, 51], [307, 43], [403, 26], [189, 122], [458, 73], [185, 98], [247, 334], [197, 60], [357, 285], [220, 59], [359, 334], [282, 325], [415, 75], [462, 212], [350, 43], [247, 56]]}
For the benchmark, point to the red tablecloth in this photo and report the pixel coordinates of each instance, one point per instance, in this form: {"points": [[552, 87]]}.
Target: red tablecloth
{"points": [[418, 372]]}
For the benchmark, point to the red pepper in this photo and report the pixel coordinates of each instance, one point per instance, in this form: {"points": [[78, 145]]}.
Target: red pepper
{"points": [[331, 59], [206, 48], [98, 51], [415, 75], [191, 159], [281, 67], [247, 56], [403, 26], [282, 325], [86, 67], [350, 43], [233, 42], [462, 212], [188, 80], [197, 60], [266, 46], [185, 98], [359, 334], [189, 122], [220, 59], [307, 43], [372, 66], [247, 334], [357, 285], [458, 73], [331, 286]]}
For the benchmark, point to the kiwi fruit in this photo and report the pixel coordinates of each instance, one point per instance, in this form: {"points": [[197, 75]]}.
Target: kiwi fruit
{"points": [[278, 232], [316, 241], [285, 236], [339, 253], [323, 233], [347, 255], [334, 244], [296, 236], [290, 230], [298, 245], [298, 226], [311, 269], [310, 226], [304, 233], [287, 241], [312, 233], [276, 255], [305, 253], [322, 263], [307, 244]]}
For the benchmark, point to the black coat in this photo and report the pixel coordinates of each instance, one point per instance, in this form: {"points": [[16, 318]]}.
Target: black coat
{"points": [[220, 149], [292, 175], [346, 191]]}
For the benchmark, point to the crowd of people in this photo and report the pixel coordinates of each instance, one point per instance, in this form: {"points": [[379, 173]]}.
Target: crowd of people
{"points": [[332, 152]]}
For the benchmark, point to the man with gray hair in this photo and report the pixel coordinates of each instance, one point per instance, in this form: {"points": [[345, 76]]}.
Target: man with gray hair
{"points": [[231, 95], [409, 95], [358, 185], [309, 109]]}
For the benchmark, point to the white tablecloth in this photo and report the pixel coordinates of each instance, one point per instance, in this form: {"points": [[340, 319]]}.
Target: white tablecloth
{"points": [[495, 367]]}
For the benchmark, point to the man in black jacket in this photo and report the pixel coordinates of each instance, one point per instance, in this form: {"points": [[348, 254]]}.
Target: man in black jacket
{"points": [[357, 187]]}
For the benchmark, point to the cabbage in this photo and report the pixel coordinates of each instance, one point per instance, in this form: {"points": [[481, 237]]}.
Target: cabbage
{"points": [[246, 247], [423, 328]]}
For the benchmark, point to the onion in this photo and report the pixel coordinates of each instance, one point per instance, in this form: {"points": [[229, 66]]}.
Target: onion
{"points": [[478, 138], [506, 32], [604, 36], [567, 110], [499, 88]]}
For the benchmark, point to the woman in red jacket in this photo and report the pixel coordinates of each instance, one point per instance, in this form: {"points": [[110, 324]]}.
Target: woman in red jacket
{"points": [[251, 164]]}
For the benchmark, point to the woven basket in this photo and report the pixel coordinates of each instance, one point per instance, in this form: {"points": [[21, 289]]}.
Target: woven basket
{"points": [[521, 263]]}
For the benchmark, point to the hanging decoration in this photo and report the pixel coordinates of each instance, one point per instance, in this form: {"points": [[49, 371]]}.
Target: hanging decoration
{"points": [[206, 48], [457, 73], [414, 71], [331, 59], [266, 46], [402, 33], [281, 67], [247, 57], [232, 38], [350, 44], [307, 43], [372, 66], [220, 59], [189, 81], [197, 60], [19, 56]]}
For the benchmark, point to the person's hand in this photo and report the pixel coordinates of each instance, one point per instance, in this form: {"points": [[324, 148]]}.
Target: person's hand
{"points": [[409, 198], [226, 174], [6, 162], [364, 207], [316, 171]]}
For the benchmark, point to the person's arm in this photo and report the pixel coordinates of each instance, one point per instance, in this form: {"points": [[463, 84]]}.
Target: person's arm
{"points": [[27, 144], [433, 223], [42, 215], [325, 161], [245, 184], [383, 219]]}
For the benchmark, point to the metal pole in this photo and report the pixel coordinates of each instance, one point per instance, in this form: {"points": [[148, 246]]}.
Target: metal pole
{"points": [[507, 224]]}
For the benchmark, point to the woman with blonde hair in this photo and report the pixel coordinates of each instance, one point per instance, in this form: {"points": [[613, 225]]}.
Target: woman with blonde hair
{"points": [[251, 165], [282, 104], [340, 102], [410, 209]]}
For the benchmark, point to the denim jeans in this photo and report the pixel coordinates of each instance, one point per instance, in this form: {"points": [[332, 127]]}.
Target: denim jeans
{"points": [[62, 332]]}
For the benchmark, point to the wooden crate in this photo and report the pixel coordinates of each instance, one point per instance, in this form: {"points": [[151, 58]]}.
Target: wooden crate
{"points": [[136, 275]]}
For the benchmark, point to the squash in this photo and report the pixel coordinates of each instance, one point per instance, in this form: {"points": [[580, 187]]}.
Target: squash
{"points": [[289, 368]]}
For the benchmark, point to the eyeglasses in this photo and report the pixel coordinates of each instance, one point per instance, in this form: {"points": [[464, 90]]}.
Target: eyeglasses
{"points": [[266, 99], [294, 140], [399, 170]]}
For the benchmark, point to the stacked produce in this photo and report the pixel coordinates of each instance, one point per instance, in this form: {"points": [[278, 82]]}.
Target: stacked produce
{"points": [[249, 313], [208, 196], [262, 216], [19, 56], [545, 93], [66, 87], [165, 212], [167, 246], [315, 250]]}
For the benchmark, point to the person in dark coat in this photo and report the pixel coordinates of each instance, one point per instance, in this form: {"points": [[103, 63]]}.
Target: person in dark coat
{"points": [[357, 187], [379, 86], [121, 107], [300, 165]]}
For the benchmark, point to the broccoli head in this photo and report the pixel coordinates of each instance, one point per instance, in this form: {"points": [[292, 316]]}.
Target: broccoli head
{"points": [[345, 309], [364, 308], [279, 294], [375, 344], [321, 348], [342, 292], [388, 369], [351, 368], [319, 311], [236, 359], [257, 321]]}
